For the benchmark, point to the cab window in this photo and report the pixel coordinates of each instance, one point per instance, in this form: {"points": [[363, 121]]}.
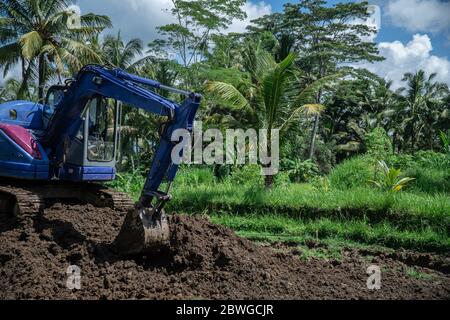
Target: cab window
{"points": [[101, 129]]}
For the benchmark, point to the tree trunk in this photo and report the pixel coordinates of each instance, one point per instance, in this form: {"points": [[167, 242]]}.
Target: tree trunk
{"points": [[25, 75], [413, 138], [41, 80], [268, 181], [313, 136], [394, 142]]}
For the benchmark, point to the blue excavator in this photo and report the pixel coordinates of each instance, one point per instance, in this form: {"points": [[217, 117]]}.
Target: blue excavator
{"points": [[67, 145]]}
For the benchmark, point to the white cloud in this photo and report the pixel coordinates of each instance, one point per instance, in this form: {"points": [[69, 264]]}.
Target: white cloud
{"points": [[139, 18], [411, 57], [373, 22], [134, 18], [254, 11], [420, 15]]}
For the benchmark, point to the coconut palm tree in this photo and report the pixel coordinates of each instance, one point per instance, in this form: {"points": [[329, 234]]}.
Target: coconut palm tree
{"points": [[120, 54], [313, 110], [46, 33], [422, 95], [270, 95], [11, 90]]}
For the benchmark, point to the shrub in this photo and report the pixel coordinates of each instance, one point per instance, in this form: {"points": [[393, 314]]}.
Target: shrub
{"points": [[301, 171], [282, 179], [390, 179], [130, 182], [431, 170], [248, 175], [354, 172], [222, 171], [431, 159], [402, 161], [321, 184], [429, 180], [324, 156], [378, 143], [445, 139]]}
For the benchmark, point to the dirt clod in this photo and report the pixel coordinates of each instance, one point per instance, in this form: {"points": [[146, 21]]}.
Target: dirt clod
{"points": [[202, 261]]}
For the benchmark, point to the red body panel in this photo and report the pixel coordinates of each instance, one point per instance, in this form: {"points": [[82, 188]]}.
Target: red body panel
{"points": [[23, 138]]}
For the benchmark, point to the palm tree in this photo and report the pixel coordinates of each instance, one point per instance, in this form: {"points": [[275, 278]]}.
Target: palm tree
{"points": [[313, 110], [11, 90], [270, 95], [120, 54], [423, 94], [40, 31]]}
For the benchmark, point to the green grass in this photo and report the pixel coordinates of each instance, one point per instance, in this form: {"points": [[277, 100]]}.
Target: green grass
{"points": [[279, 228], [416, 274], [429, 180], [324, 253], [354, 214], [301, 201]]}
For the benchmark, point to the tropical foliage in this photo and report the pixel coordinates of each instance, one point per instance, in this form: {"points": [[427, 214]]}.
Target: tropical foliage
{"points": [[289, 71], [390, 179]]}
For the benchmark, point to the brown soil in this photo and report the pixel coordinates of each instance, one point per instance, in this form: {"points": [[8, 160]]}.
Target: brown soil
{"points": [[203, 261]]}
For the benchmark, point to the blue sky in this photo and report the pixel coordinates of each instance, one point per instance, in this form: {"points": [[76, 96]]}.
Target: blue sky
{"points": [[413, 34], [390, 32]]}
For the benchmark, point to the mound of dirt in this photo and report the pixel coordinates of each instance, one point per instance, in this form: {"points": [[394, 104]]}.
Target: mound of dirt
{"points": [[203, 261]]}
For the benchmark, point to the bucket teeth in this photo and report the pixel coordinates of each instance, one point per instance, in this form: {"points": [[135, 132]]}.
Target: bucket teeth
{"points": [[142, 232]]}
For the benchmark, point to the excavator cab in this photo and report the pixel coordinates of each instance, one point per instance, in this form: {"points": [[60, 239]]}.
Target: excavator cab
{"points": [[92, 151], [91, 154]]}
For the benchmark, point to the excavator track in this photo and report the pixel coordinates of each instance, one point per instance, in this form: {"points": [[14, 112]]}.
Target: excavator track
{"points": [[27, 198], [142, 231], [20, 200]]}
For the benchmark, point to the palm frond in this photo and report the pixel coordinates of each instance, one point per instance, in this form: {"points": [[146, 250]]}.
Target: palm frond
{"points": [[31, 44], [227, 93]]}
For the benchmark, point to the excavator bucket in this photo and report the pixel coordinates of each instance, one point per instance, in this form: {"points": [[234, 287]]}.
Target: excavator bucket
{"points": [[143, 231]]}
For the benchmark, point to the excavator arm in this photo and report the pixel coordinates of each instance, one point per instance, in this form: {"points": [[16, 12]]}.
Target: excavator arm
{"points": [[146, 227]]}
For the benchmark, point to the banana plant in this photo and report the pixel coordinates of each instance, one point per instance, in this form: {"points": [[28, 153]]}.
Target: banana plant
{"points": [[445, 138], [391, 179]]}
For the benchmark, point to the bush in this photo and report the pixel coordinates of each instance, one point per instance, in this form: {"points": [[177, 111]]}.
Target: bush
{"points": [[355, 172], [248, 175], [301, 171], [321, 184], [378, 143], [324, 156], [222, 171], [402, 161], [429, 180], [390, 179], [130, 182], [431, 159], [282, 179], [431, 170]]}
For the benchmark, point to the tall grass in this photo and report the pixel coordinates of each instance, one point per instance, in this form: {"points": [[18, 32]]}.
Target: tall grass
{"points": [[274, 228], [405, 210], [348, 211]]}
